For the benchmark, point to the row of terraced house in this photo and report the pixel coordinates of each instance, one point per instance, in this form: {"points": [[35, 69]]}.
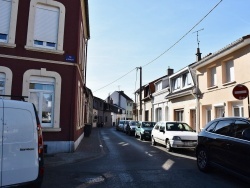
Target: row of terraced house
{"points": [[201, 91]]}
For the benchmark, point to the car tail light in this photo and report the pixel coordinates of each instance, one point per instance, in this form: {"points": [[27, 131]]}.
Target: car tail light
{"points": [[40, 139]]}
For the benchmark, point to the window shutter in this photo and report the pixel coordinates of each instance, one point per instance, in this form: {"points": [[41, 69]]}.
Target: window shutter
{"points": [[46, 23], [5, 9]]}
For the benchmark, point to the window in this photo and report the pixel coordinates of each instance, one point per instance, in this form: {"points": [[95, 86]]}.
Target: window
{"points": [[2, 83], [5, 11], [238, 111], [213, 79], [177, 83], [179, 115], [80, 107], [162, 127], [240, 126], [44, 88], [46, 26], [186, 79], [211, 125], [157, 126], [219, 112], [229, 71], [209, 115], [42, 95], [8, 15], [5, 81], [158, 114], [224, 128], [158, 86]]}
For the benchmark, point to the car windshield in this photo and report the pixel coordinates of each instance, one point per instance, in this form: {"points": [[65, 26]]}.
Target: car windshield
{"points": [[178, 127], [148, 124]]}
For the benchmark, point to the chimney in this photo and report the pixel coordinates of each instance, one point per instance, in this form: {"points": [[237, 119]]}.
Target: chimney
{"points": [[170, 71], [198, 54]]}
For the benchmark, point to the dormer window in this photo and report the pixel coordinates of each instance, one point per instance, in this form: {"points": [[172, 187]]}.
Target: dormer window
{"points": [[158, 86], [186, 79], [177, 83]]}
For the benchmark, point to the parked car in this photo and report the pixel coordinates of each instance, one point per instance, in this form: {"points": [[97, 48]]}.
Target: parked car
{"points": [[121, 124], [21, 149], [174, 135], [130, 128], [143, 130], [225, 142]]}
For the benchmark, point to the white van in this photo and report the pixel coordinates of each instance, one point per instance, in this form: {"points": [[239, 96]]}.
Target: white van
{"points": [[21, 144]]}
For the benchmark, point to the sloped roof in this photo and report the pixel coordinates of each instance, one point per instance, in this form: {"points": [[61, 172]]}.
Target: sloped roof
{"points": [[124, 95], [225, 49]]}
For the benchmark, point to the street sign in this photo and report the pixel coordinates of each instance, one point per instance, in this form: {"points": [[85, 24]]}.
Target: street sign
{"points": [[240, 92]]}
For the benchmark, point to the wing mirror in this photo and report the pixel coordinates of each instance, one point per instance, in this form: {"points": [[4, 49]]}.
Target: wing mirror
{"points": [[246, 134]]}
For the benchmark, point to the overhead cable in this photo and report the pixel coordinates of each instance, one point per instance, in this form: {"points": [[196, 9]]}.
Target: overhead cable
{"points": [[165, 50]]}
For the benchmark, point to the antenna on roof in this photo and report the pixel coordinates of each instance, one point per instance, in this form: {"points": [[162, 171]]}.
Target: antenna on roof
{"points": [[197, 32], [198, 54]]}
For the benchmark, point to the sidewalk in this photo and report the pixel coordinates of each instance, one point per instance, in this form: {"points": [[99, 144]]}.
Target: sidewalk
{"points": [[89, 148]]}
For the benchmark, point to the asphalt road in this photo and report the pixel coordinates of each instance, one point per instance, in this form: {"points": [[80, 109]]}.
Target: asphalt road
{"points": [[129, 162]]}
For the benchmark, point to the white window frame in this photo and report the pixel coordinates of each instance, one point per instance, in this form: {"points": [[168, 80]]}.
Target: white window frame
{"points": [[7, 77], [241, 110], [57, 93], [158, 86], [31, 27], [179, 114], [11, 32], [230, 71], [41, 92], [213, 77], [2, 83], [158, 114], [46, 31], [219, 111], [186, 79], [5, 14], [176, 83]]}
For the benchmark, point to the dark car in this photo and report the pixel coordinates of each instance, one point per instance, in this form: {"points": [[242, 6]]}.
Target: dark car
{"points": [[225, 142], [143, 130], [130, 128]]}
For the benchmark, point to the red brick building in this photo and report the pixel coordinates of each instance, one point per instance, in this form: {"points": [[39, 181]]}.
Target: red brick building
{"points": [[43, 55]]}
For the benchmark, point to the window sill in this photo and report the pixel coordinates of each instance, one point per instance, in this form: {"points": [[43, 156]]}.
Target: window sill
{"points": [[212, 87], [229, 83], [7, 45], [44, 50], [48, 129]]}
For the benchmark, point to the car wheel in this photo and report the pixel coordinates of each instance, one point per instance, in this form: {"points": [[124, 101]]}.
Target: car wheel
{"points": [[168, 146], [153, 142], [202, 160], [141, 137]]}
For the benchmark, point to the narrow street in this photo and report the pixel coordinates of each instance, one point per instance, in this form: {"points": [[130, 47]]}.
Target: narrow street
{"points": [[129, 162]]}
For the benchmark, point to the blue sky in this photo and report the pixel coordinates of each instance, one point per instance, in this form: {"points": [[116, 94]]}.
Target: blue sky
{"points": [[125, 34]]}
